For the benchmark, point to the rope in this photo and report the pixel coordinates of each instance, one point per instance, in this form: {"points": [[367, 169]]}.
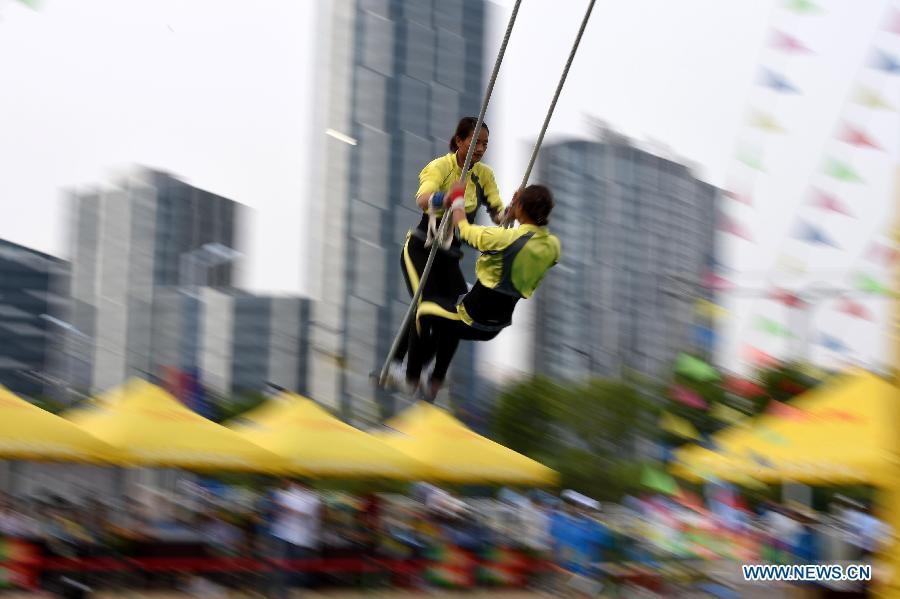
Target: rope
{"points": [[540, 139], [446, 220]]}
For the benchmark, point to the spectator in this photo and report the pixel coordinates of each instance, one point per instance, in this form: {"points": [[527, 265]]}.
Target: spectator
{"points": [[578, 544], [296, 529]]}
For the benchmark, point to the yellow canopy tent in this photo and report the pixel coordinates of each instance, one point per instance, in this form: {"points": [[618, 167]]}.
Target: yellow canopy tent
{"points": [[315, 443], [840, 433], [149, 427], [29, 433], [451, 452]]}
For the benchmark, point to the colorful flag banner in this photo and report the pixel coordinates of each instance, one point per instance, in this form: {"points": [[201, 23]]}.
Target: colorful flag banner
{"points": [[678, 426], [855, 137], [786, 43], [769, 326], [841, 171], [728, 225], [688, 397], [709, 309], [787, 298], [716, 282], [744, 388], [893, 24], [777, 82], [813, 235], [802, 7], [704, 337], [751, 158], [872, 99], [870, 284], [828, 202], [832, 343], [883, 61], [765, 122], [727, 414], [855, 309], [743, 198], [659, 481], [695, 368], [882, 254], [758, 357]]}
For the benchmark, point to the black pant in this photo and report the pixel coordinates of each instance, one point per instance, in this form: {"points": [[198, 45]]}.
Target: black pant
{"points": [[445, 280], [437, 337]]}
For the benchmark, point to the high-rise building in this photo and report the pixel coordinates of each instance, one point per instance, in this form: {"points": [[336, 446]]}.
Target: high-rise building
{"points": [[399, 77], [32, 288], [638, 232], [243, 341], [130, 239]]}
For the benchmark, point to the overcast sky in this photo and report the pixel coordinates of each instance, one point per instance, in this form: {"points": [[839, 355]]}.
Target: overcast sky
{"points": [[220, 92]]}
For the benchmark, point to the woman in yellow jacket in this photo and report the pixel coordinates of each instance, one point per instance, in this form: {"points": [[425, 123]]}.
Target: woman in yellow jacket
{"points": [[435, 180], [512, 264]]}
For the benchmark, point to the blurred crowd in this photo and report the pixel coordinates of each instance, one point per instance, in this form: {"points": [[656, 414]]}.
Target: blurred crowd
{"points": [[513, 539]]}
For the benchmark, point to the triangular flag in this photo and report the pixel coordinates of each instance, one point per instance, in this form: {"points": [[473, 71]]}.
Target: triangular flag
{"points": [[841, 171], [855, 137], [855, 309], [744, 388], [695, 368], [786, 43], [717, 283], [832, 343], [872, 99], [893, 24], [659, 481], [743, 198], [765, 122], [678, 426], [803, 7], [787, 298], [777, 82], [728, 225], [826, 201], [727, 414], [869, 284], [751, 158], [704, 337], [882, 254], [758, 357], [709, 309], [885, 62], [767, 325], [688, 397], [813, 235]]}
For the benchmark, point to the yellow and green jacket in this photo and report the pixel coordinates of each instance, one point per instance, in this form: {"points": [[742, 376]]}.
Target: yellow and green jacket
{"points": [[512, 264]]}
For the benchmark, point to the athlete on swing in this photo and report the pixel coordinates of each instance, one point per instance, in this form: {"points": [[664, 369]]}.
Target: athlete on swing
{"points": [[435, 181], [511, 266]]}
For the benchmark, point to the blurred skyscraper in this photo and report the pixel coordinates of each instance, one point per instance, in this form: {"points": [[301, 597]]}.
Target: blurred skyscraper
{"points": [[129, 241], [32, 286], [397, 76], [638, 233], [244, 341]]}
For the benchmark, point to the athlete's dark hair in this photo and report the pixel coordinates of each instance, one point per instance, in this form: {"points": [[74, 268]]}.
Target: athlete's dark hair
{"points": [[537, 202], [464, 129]]}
